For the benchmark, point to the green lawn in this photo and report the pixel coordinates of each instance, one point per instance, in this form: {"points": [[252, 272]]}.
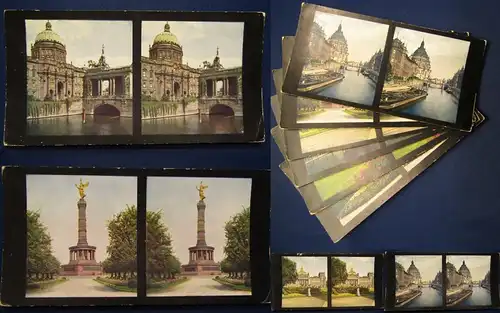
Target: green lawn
{"points": [[115, 284], [303, 133], [230, 283], [305, 114], [46, 284], [163, 285], [401, 152], [331, 185]]}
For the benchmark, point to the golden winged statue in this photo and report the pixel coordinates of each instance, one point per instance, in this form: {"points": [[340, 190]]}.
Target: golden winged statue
{"points": [[201, 191], [81, 188]]}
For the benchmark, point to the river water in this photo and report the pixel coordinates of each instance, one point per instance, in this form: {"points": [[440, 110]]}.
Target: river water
{"points": [[438, 105], [193, 125], [74, 126], [429, 298], [355, 87], [480, 297], [102, 125]]}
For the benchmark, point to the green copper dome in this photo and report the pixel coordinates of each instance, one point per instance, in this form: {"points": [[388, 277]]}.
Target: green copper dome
{"points": [[166, 37], [48, 35]]}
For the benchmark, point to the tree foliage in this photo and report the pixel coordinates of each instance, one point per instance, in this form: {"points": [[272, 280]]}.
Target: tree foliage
{"points": [[237, 248], [289, 273], [121, 262], [339, 271], [161, 262], [41, 263]]}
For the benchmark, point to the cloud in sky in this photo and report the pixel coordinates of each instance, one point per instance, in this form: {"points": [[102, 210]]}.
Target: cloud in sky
{"points": [[447, 55], [428, 265], [199, 40], [478, 265], [56, 197], [361, 265], [84, 40], [311, 264], [364, 38], [177, 199]]}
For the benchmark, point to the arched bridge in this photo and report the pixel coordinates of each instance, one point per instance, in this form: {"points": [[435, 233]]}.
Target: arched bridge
{"points": [[225, 105], [109, 106]]}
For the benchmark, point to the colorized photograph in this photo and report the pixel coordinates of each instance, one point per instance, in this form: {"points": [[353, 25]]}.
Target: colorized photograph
{"points": [[336, 186], [304, 281], [191, 80], [79, 77], [419, 281], [353, 281], [198, 236], [424, 75], [316, 111], [81, 234], [344, 59], [468, 280]]}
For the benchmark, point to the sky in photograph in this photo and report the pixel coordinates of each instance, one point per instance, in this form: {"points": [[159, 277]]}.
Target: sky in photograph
{"points": [[428, 265], [177, 199], [361, 265], [311, 264], [364, 38], [56, 198], [84, 40], [447, 55], [199, 40], [478, 265]]}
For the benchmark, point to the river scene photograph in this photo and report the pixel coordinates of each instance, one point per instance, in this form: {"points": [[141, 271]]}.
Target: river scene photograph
{"points": [[191, 80], [424, 75], [79, 77], [344, 58], [468, 281], [419, 281]]}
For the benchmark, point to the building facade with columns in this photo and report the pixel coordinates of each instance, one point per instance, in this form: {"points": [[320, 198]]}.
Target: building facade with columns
{"points": [[50, 76], [166, 78], [51, 79]]}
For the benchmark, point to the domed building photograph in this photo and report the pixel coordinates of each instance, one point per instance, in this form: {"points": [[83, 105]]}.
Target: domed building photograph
{"points": [[191, 79], [416, 283], [353, 281], [343, 62], [467, 280], [424, 76], [79, 83], [305, 280]]}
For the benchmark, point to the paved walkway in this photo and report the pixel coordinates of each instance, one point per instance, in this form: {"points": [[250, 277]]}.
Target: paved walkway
{"points": [[200, 286], [352, 301], [303, 302], [80, 287]]}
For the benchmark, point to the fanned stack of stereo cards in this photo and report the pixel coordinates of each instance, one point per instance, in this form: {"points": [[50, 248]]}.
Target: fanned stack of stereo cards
{"points": [[364, 105], [389, 281]]}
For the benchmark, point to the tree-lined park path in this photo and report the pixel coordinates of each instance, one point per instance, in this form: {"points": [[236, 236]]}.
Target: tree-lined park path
{"points": [[200, 286], [304, 302], [80, 287]]}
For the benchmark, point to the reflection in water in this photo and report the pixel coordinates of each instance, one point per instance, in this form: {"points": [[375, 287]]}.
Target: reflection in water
{"points": [[74, 126], [193, 124], [430, 297], [438, 105], [480, 297], [355, 87]]}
